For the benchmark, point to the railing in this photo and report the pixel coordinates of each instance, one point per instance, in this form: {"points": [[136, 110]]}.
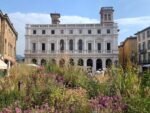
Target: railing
{"points": [[142, 51], [70, 51], [144, 62]]}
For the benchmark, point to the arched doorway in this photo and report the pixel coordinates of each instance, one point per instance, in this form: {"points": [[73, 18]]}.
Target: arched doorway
{"points": [[53, 61], [71, 61], [80, 62], [108, 63], [98, 64], [90, 62], [43, 62], [62, 63], [62, 47], [34, 61]]}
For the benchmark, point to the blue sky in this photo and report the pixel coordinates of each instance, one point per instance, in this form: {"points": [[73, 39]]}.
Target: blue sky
{"points": [[131, 15]]}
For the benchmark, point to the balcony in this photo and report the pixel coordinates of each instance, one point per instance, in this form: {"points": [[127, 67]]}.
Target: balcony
{"points": [[144, 62], [143, 51], [70, 51], [43, 51], [108, 51], [34, 51]]}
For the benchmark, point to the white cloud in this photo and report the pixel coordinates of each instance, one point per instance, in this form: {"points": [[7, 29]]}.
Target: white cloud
{"points": [[145, 20], [19, 20]]}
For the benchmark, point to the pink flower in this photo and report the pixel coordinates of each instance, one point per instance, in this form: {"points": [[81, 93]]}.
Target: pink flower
{"points": [[18, 110]]}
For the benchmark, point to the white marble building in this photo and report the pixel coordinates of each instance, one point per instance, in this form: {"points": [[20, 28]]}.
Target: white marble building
{"points": [[94, 45]]}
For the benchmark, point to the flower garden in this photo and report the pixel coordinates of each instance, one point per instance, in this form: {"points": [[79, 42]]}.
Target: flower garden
{"points": [[68, 89]]}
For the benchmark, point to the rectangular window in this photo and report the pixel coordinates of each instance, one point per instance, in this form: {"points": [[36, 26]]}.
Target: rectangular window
{"points": [[109, 17], [108, 31], [98, 31], [52, 47], [143, 35], [99, 47], [148, 33], [80, 31], [143, 46], [43, 32], [52, 32], [70, 31], [139, 37], [108, 46], [105, 16], [33, 47], [139, 47], [89, 32], [90, 46], [148, 44], [34, 31], [43, 47], [62, 31]]}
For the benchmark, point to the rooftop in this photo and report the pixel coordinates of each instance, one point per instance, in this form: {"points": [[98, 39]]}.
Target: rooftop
{"points": [[5, 16], [142, 30], [128, 38]]}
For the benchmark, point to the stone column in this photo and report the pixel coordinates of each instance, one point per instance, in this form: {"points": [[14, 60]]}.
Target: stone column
{"points": [[66, 43], [94, 47], [38, 46], [104, 62], [29, 44], [84, 48], [94, 65], [85, 63], [38, 61], [48, 46], [75, 61], [57, 46], [76, 45], [104, 47]]}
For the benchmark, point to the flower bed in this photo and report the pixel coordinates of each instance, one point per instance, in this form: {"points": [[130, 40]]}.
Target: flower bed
{"points": [[54, 89]]}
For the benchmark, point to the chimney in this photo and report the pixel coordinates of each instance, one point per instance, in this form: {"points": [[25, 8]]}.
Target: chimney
{"points": [[55, 18]]}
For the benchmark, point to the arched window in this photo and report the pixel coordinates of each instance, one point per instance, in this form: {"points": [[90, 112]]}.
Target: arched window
{"points": [[80, 45], [90, 62], [53, 61], [98, 64], [80, 62], [62, 45], [62, 63], [71, 61], [71, 45], [108, 63], [43, 62], [34, 61]]}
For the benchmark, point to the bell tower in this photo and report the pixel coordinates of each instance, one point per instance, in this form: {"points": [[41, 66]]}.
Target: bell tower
{"points": [[106, 14], [55, 18]]}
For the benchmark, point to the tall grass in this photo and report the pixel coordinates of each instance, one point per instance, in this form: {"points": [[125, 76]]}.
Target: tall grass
{"points": [[68, 89]]}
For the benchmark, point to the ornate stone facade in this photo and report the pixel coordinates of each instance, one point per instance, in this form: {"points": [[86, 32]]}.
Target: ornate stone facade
{"points": [[94, 45], [8, 38], [143, 48]]}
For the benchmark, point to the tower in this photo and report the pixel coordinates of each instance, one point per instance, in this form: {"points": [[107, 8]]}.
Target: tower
{"points": [[55, 18], [106, 14]]}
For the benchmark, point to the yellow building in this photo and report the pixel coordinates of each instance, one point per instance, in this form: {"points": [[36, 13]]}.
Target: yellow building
{"points": [[128, 51], [8, 38]]}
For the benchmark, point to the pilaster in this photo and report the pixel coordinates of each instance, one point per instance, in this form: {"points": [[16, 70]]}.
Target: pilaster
{"points": [[104, 62]]}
